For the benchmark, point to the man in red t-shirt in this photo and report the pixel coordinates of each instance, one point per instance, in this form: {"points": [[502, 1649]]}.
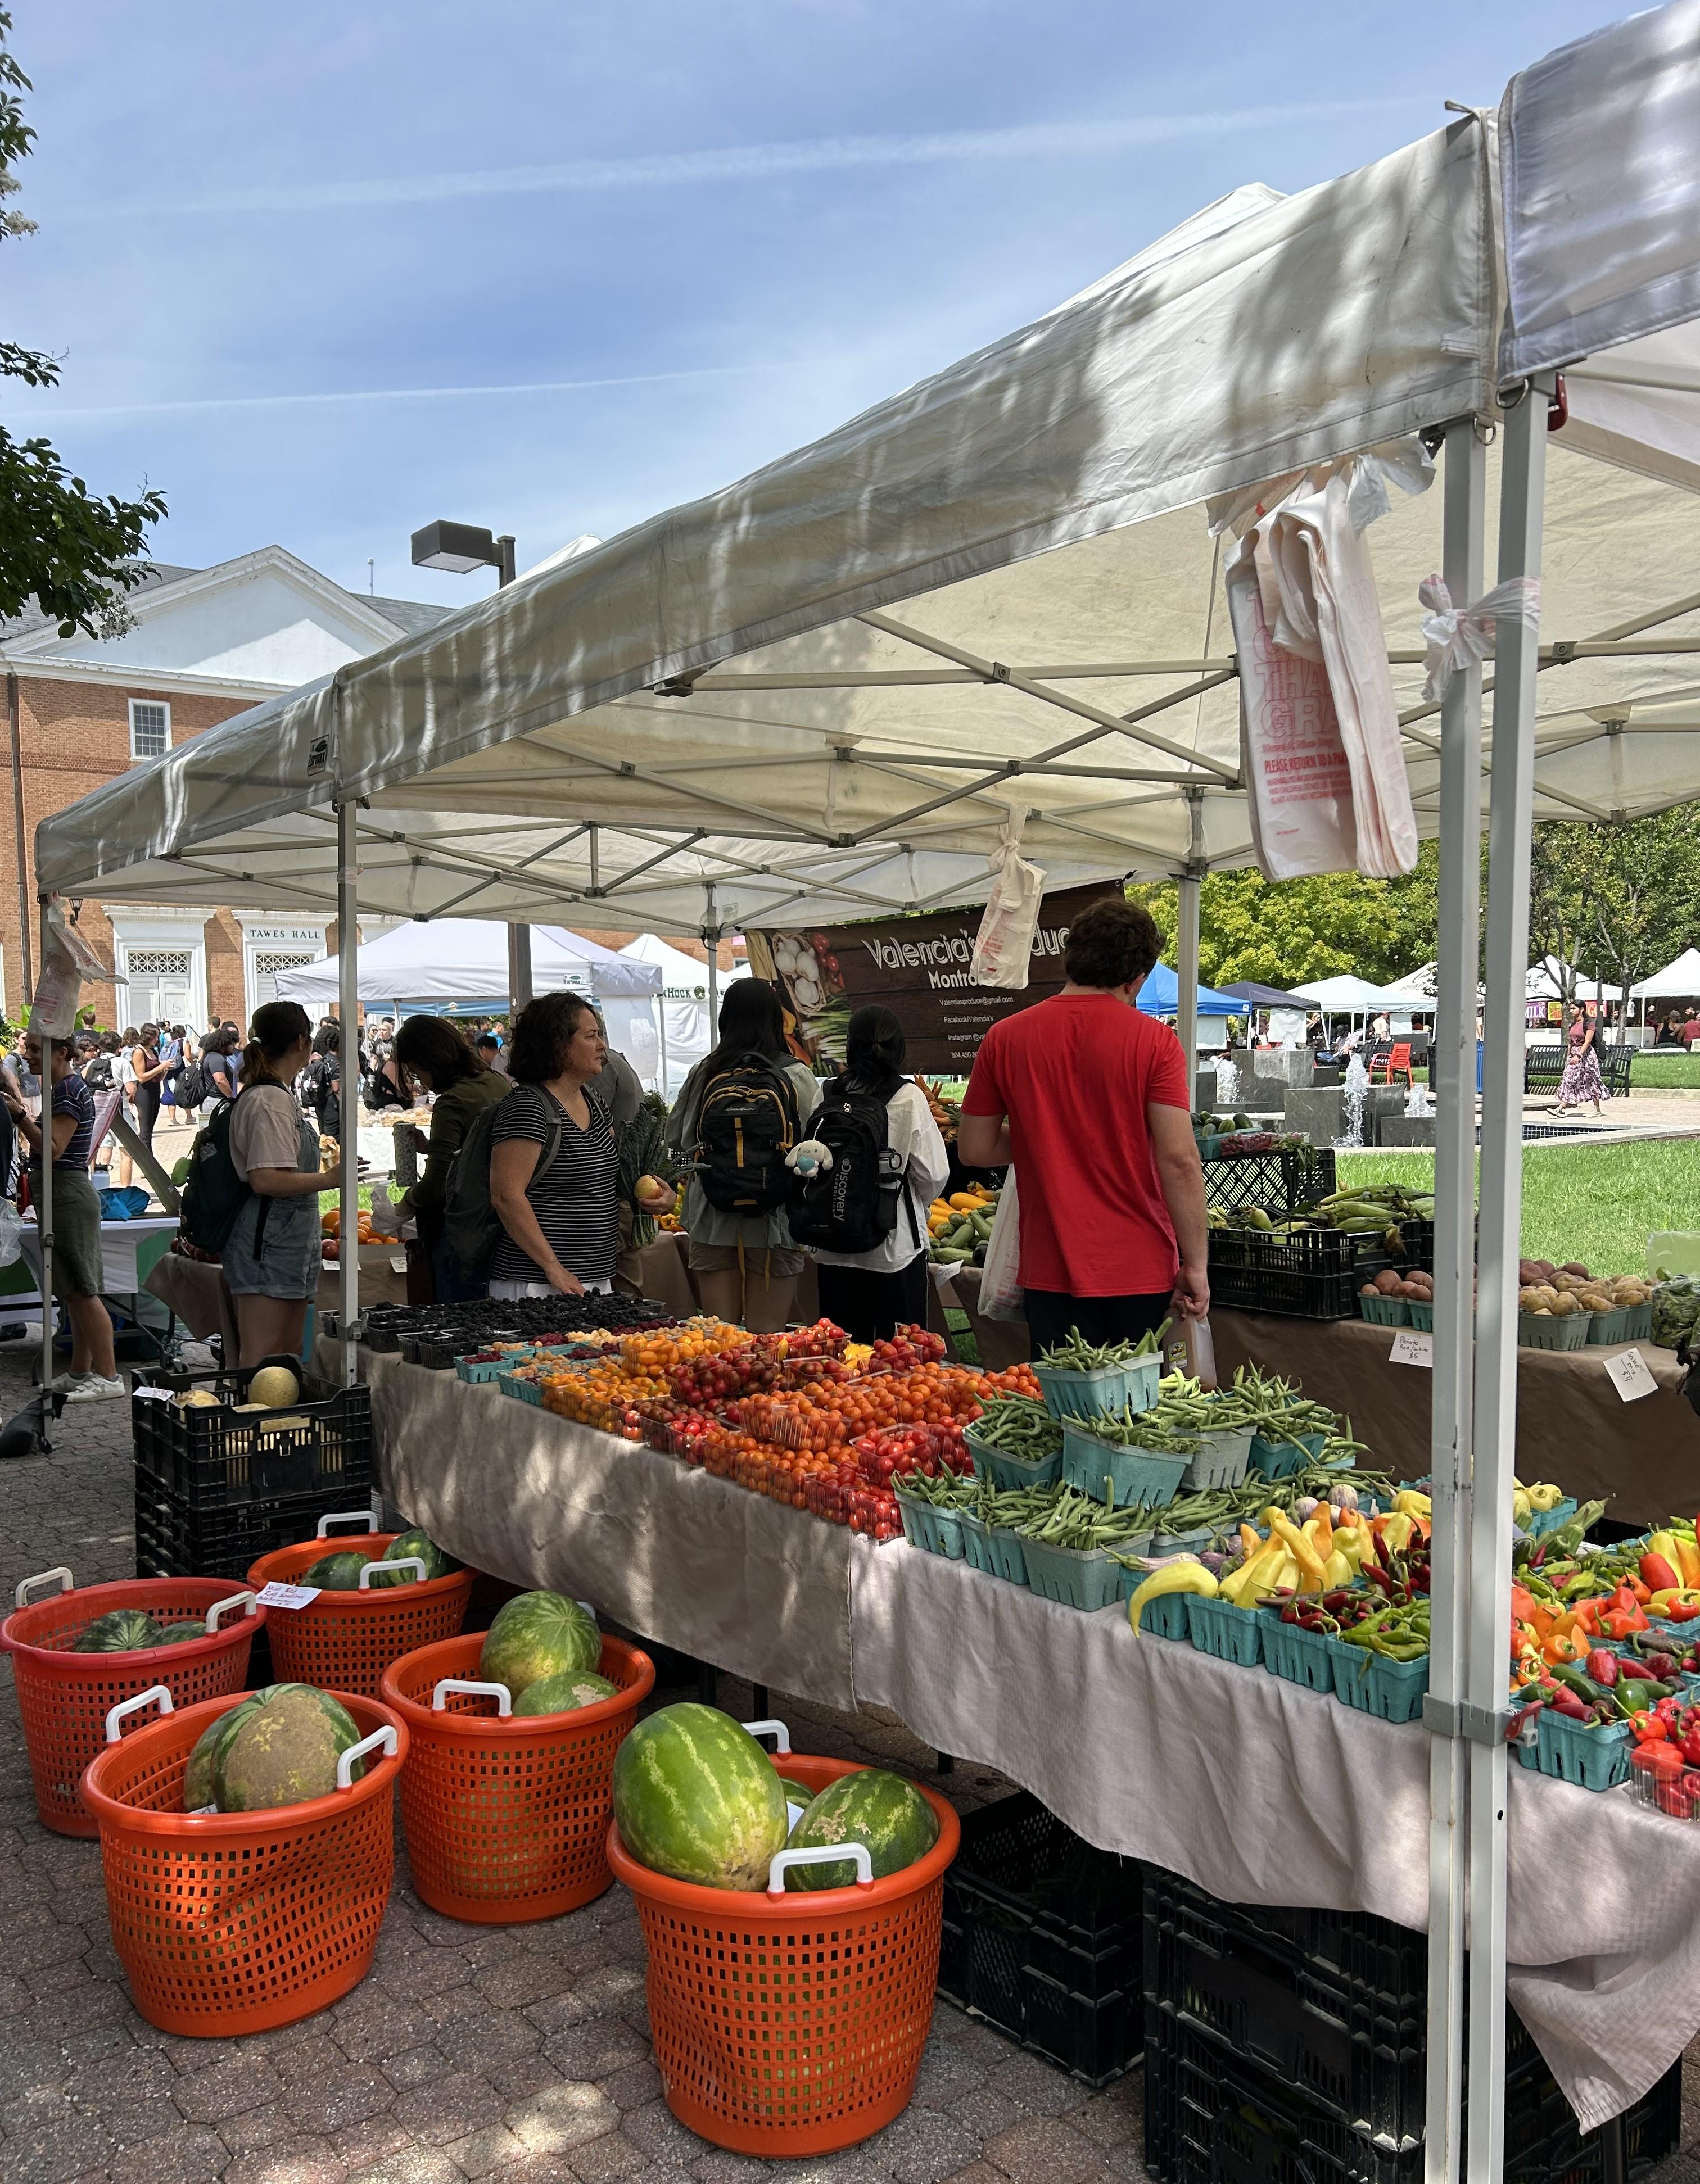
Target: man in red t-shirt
{"points": [[1090, 1101]]}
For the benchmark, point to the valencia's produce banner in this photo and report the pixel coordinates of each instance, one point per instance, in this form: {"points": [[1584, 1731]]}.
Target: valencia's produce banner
{"points": [[919, 968]]}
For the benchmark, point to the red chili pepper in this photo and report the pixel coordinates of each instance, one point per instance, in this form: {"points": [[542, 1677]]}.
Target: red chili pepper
{"points": [[1568, 1703], [1636, 1671], [1603, 1668], [1648, 1729], [1657, 1574], [1690, 1748]]}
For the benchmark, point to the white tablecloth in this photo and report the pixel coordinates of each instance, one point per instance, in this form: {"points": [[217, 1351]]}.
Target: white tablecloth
{"points": [[122, 1243], [1257, 1789]]}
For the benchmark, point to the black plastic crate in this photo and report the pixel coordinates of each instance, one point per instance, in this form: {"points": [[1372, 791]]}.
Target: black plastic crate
{"points": [[214, 1458], [1042, 1938], [1280, 1182], [177, 1539], [1332, 2006], [1212, 2118], [1311, 1276]]}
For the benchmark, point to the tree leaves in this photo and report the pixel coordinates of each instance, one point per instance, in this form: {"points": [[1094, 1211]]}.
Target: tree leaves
{"points": [[72, 553]]}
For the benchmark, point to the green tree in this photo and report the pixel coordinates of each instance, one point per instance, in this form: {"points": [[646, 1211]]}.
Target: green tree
{"points": [[1613, 902], [73, 552], [1287, 933]]}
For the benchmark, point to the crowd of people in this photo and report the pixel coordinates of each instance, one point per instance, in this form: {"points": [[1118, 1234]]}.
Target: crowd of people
{"points": [[522, 1191]]}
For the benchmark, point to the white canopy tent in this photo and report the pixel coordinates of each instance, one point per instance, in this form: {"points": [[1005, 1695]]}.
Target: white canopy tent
{"points": [[685, 1011], [465, 959], [1544, 982], [1346, 995], [1678, 981], [717, 717]]}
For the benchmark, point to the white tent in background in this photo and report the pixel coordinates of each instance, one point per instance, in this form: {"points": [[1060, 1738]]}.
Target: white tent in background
{"points": [[459, 961], [1677, 981], [1346, 995], [680, 1012], [1543, 983]]}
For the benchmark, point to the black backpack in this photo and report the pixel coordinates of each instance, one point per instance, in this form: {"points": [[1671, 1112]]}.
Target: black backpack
{"points": [[746, 1123], [472, 1227], [214, 1194], [190, 1086], [850, 1206]]}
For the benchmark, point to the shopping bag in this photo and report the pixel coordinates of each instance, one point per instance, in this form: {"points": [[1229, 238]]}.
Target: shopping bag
{"points": [[1001, 1294], [11, 1233], [1003, 946]]}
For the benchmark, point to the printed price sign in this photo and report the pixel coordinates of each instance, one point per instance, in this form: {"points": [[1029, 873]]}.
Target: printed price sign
{"points": [[1411, 1348], [279, 1595], [1630, 1376]]}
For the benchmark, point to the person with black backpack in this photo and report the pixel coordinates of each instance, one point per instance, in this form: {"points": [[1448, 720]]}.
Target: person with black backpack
{"points": [[871, 1164], [739, 1116]]}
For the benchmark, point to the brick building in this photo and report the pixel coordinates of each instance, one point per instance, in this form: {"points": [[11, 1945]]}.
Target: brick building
{"points": [[203, 644]]}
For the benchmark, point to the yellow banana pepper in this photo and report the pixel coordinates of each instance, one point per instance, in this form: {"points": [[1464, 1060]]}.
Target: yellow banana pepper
{"points": [[1173, 1576]]}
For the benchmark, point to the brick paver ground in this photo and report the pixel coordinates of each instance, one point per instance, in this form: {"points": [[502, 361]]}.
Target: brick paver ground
{"points": [[515, 2054]]}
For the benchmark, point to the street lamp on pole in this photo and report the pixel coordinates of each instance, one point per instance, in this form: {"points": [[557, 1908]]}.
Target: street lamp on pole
{"points": [[458, 547]]}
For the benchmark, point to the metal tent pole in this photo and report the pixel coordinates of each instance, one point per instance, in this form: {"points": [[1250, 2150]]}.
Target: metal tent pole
{"points": [[1186, 946], [348, 1010], [1521, 495], [1452, 1074], [519, 967], [710, 934], [44, 1211]]}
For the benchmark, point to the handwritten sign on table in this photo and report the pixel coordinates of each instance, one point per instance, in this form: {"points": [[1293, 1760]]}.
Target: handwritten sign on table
{"points": [[1411, 1348], [1630, 1375]]}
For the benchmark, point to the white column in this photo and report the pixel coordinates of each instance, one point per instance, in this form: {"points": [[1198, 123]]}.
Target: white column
{"points": [[347, 1011], [1522, 492], [1452, 1078]]}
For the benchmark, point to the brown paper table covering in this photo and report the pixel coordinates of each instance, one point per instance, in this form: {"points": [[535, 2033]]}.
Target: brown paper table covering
{"points": [[1257, 1789], [667, 1550], [1642, 1458]]}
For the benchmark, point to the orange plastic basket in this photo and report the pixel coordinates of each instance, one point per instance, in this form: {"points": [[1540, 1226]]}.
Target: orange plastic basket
{"points": [[792, 2024], [507, 1817], [343, 1642], [238, 1922], [65, 1697]]}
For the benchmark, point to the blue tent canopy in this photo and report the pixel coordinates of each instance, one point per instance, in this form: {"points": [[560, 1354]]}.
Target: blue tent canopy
{"points": [[1160, 996]]}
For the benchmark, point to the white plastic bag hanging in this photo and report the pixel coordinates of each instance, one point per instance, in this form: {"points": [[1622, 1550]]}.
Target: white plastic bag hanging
{"points": [[1456, 638], [1003, 946], [67, 959], [11, 1233], [1001, 1294]]}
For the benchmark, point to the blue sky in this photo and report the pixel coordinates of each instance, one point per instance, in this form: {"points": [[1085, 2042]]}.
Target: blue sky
{"points": [[694, 237]]}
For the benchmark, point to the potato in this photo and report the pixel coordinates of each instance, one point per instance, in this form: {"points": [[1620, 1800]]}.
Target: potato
{"points": [[1387, 1282], [1528, 1272], [1575, 1267], [1369, 1290], [1564, 1305]]}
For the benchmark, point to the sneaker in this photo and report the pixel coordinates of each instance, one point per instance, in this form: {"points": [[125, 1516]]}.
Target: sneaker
{"points": [[92, 1388], [62, 1383]]}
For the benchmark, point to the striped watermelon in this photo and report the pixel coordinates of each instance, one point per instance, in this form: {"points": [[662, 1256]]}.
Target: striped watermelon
{"points": [[540, 1634], [695, 1796], [871, 1807], [418, 1542], [563, 1694], [336, 1573], [125, 1630]]}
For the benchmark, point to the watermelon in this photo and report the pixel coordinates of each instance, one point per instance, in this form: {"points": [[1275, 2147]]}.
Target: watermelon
{"points": [[575, 1687], [540, 1634], [696, 1796], [198, 1776], [796, 1793], [180, 1633], [283, 1750], [125, 1630], [337, 1573], [871, 1807], [418, 1542]]}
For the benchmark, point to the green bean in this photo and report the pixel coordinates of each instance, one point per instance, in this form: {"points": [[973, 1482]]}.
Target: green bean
{"points": [[1077, 1355], [1016, 1426]]}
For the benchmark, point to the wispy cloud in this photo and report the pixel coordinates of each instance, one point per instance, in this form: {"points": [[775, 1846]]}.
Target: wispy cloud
{"points": [[757, 162], [197, 405]]}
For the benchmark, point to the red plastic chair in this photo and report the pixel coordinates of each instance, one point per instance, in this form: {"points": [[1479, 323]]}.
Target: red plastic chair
{"points": [[1395, 1064]]}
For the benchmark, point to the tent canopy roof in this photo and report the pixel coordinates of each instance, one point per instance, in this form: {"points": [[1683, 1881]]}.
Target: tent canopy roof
{"points": [[465, 959], [823, 691], [1255, 995], [1344, 992], [1678, 980], [1160, 996]]}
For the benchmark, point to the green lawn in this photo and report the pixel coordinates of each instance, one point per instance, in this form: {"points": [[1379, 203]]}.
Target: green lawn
{"points": [[1596, 1204], [1666, 1069]]}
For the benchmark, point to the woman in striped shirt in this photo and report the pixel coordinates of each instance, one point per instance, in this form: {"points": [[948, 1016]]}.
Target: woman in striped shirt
{"points": [[552, 1160]]}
